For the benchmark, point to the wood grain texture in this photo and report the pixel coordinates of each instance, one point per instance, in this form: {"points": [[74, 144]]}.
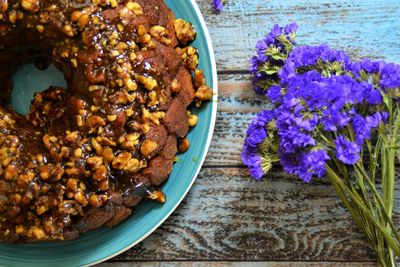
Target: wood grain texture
{"points": [[280, 221], [227, 216], [362, 28], [237, 264], [237, 106]]}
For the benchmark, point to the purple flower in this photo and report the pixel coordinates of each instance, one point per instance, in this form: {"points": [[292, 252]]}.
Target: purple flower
{"points": [[268, 60], [291, 28], [317, 93], [218, 4], [346, 151], [374, 97], [315, 161], [276, 31], [256, 134], [274, 94], [305, 164]]}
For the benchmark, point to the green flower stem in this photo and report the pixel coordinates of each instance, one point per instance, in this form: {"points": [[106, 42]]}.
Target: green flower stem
{"points": [[345, 193], [387, 217]]}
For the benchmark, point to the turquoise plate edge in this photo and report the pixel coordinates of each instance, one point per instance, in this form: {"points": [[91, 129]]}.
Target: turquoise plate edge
{"points": [[100, 245]]}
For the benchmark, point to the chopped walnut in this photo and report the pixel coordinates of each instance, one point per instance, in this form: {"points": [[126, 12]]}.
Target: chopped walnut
{"points": [[184, 31]]}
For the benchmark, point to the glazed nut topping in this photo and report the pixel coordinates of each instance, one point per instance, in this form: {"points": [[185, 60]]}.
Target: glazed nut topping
{"points": [[3, 6], [135, 8], [193, 119], [76, 159], [148, 82], [148, 147], [204, 93], [31, 5], [183, 145], [158, 31], [184, 31], [68, 30]]}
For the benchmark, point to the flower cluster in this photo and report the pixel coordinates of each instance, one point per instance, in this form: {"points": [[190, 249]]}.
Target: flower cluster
{"points": [[272, 50], [332, 117], [323, 107]]}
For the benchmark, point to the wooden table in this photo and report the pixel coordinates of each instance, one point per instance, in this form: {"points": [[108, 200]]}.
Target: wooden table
{"points": [[226, 216]]}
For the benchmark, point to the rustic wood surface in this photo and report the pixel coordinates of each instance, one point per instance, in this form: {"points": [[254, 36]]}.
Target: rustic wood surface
{"points": [[279, 221]]}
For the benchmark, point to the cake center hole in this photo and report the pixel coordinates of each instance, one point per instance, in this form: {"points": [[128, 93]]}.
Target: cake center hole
{"points": [[28, 80]]}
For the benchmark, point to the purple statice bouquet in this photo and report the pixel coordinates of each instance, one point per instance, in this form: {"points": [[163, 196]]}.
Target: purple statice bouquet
{"points": [[329, 116]]}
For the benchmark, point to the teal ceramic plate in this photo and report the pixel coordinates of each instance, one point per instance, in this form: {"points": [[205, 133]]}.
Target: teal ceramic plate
{"points": [[102, 244]]}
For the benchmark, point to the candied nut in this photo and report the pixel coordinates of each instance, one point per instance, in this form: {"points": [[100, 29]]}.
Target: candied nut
{"points": [[95, 120], [36, 232], [3, 6], [83, 21], [148, 146], [81, 199], [78, 152], [133, 165], [97, 146], [113, 3], [72, 171], [94, 161], [107, 154], [72, 184], [76, 15], [101, 173], [148, 82], [158, 32], [193, 119], [40, 28], [10, 172], [79, 120], [199, 79], [111, 117], [144, 39], [121, 160], [72, 137], [20, 229], [95, 200], [135, 8], [15, 198], [106, 141], [132, 56], [204, 93], [25, 179], [183, 145], [93, 88], [51, 171], [184, 31], [42, 209], [74, 62], [158, 196], [68, 30], [121, 46], [132, 86], [31, 5], [175, 86], [130, 141], [141, 30], [13, 16], [103, 185]]}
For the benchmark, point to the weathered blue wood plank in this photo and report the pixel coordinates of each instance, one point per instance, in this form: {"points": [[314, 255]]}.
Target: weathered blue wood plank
{"points": [[368, 28], [226, 215]]}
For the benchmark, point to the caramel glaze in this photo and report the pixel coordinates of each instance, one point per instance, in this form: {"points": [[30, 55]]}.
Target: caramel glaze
{"points": [[85, 156]]}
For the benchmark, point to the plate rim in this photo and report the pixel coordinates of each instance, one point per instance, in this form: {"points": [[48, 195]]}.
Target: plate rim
{"points": [[214, 105]]}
